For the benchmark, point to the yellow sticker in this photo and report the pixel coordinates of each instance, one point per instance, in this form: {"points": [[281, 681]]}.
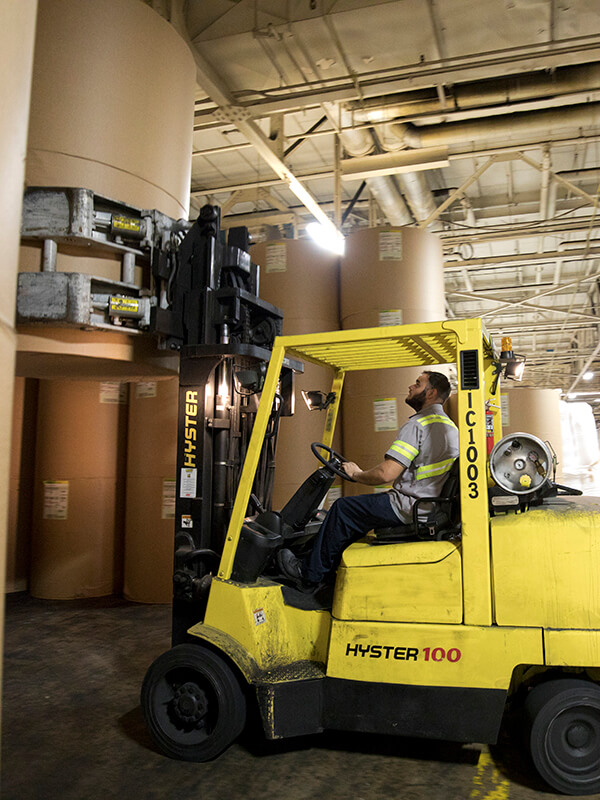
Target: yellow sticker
{"points": [[126, 223], [122, 304]]}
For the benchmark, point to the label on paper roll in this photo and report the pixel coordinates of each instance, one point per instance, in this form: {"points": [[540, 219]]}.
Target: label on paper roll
{"points": [[145, 389], [276, 258], [391, 317], [113, 392], [390, 246], [332, 495], [56, 499], [168, 499], [385, 411], [504, 410]]}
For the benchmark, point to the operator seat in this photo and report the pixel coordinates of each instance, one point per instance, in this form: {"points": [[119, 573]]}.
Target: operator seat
{"points": [[443, 521], [298, 521], [302, 506]]}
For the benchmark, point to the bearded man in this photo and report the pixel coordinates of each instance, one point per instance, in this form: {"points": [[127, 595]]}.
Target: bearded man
{"points": [[416, 464]]}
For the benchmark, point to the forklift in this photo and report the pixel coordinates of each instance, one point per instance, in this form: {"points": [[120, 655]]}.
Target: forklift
{"points": [[433, 630]]}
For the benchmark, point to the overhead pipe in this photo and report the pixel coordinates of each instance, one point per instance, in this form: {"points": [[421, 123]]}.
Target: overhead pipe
{"points": [[468, 211], [462, 97], [545, 184], [418, 196], [360, 143], [512, 126], [390, 200]]}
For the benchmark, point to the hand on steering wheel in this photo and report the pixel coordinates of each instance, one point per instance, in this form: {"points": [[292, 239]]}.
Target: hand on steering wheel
{"points": [[335, 461]]}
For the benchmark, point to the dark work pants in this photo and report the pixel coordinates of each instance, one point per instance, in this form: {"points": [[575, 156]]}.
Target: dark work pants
{"points": [[348, 520]]}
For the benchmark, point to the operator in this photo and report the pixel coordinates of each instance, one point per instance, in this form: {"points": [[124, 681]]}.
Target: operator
{"points": [[417, 464]]}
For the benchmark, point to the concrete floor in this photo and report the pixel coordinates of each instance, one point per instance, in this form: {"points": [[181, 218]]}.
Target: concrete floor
{"points": [[72, 728]]}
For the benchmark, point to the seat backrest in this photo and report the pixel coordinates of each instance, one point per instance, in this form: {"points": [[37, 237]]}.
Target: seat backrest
{"points": [[444, 513], [305, 501], [451, 485]]}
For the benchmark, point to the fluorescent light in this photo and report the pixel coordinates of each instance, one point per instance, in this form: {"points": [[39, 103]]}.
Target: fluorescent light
{"points": [[587, 376], [328, 238]]}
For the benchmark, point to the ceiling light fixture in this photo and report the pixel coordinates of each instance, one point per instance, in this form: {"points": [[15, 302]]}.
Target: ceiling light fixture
{"points": [[329, 238]]}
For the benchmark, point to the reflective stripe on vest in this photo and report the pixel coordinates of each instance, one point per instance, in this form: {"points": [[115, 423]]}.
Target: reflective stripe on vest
{"points": [[438, 468], [405, 449], [436, 418]]}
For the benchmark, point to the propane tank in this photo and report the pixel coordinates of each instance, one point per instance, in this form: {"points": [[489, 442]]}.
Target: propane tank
{"points": [[521, 464]]}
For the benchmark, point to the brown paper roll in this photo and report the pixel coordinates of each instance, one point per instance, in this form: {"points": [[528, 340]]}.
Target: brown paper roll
{"points": [[303, 282], [112, 103], [535, 411], [302, 279], [151, 460], [387, 269], [80, 440], [389, 276]]}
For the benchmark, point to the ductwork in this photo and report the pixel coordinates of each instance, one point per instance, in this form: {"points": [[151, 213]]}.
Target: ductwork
{"points": [[511, 127], [390, 200], [360, 143], [518, 126], [418, 196], [499, 92]]}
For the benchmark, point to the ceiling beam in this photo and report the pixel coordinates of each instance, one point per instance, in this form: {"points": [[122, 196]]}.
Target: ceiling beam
{"points": [[394, 163], [426, 74], [514, 259], [458, 193], [527, 230], [528, 305], [585, 368], [417, 156], [229, 111]]}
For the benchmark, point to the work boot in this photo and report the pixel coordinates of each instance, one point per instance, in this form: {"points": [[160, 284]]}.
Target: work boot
{"points": [[290, 565]]}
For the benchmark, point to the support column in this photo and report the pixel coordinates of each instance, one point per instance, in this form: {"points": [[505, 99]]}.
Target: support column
{"points": [[17, 28]]}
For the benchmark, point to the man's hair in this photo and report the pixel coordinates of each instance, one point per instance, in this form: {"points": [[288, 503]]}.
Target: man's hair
{"points": [[440, 383]]}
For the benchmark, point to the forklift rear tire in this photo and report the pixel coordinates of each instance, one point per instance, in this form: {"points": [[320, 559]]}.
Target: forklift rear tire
{"points": [[192, 703], [564, 739]]}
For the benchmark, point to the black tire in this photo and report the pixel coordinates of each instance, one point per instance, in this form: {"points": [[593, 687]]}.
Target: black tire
{"points": [[564, 736], [192, 703]]}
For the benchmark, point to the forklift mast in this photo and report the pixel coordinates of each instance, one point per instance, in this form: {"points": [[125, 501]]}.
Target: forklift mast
{"points": [[224, 333]]}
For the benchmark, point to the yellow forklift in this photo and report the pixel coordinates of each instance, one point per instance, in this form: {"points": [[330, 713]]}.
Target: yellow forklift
{"points": [[432, 629]]}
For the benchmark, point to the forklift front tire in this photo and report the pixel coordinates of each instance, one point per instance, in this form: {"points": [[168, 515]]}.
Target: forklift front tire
{"points": [[564, 739], [192, 703]]}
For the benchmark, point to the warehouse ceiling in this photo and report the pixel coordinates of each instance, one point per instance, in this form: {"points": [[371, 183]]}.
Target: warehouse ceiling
{"points": [[476, 119]]}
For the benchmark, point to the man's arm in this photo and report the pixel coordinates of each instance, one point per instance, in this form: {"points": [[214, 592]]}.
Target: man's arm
{"points": [[386, 472]]}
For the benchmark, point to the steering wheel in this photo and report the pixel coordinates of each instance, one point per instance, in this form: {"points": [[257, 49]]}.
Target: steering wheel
{"points": [[335, 460]]}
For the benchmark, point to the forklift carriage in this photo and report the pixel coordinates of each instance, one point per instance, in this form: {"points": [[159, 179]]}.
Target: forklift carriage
{"points": [[427, 637]]}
